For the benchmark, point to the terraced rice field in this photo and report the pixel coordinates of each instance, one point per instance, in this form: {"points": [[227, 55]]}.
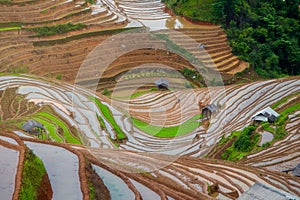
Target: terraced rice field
{"points": [[164, 110], [283, 154], [158, 175], [9, 162], [186, 178], [20, 51], [54, 159], [63, 102], [61, 55], [140, 143]]}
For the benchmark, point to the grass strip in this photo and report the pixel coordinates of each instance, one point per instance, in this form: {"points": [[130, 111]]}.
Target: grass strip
{"points": [[108, 115], [168, 132], [32, 176], [10, 24], [134, 95], [10, 28], [51, 129], [284, 100], [67, 135]]}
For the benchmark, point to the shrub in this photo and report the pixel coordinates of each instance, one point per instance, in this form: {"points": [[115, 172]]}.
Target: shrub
{"points": [[57, 29], [244, 142], [59, 76], [106, 92]]}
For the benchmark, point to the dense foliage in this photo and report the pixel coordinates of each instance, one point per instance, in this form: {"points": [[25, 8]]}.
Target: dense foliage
{"points": [[90, 1], [262, 32], [196, 10], [57, 29], [244, 143]]}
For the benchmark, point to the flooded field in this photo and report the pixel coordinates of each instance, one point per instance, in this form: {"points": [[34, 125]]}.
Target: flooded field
{"points": [[8, 161], [64, 178]]}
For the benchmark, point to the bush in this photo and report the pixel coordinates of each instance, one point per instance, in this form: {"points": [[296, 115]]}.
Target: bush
{"points": [[244, 142], [106, 92], [57, 29], [59, 76]]}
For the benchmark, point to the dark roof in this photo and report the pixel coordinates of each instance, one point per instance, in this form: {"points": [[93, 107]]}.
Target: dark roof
{"points": [[162, 81], [272, 118], [260, 191], [296, 171], [211, 107], [31, 124]]}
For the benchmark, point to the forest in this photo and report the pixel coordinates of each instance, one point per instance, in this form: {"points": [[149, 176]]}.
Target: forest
{"points": [[262, 32]]}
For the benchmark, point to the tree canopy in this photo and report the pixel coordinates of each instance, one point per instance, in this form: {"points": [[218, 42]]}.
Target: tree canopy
{"points": [[264, 33]]}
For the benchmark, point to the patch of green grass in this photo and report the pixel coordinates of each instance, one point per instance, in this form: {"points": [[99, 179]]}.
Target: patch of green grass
{"points": [[196, 10], [108, 115], [142, 93], [10, 28], [284, 100], [32, 176], [92, 191], [281, 121], [53, 119], [50, 127], [266, 126], [134, 95], [290, 109], [44, 11], [168, 132], [59, 76], [224, 139], [20, 69], [106, 92], [10, 24]]}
